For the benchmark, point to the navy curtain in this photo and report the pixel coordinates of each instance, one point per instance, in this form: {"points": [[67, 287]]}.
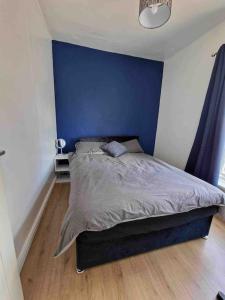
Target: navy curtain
{"points": [[208, 148]]}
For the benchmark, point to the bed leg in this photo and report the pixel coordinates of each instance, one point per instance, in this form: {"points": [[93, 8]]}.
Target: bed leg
{"points": [[80, 271], [205, 237]]}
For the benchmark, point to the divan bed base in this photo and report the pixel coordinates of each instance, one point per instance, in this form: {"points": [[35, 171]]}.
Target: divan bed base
{"points": [[93, 254]]}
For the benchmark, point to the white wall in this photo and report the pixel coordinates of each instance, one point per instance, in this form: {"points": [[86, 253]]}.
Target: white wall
{"points": [[185, 82], [27, 109]]}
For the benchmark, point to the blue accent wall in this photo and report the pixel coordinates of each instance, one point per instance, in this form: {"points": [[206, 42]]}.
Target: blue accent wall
{"points": [[100, 93]]}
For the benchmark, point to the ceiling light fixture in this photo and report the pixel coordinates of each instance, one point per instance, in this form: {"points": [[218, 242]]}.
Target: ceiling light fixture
{"points": [[154, 13]]}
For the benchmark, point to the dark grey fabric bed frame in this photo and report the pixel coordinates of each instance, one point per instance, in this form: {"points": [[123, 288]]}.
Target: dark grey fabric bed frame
{"points": [[108, 139], [91, 253], [132, 238]]}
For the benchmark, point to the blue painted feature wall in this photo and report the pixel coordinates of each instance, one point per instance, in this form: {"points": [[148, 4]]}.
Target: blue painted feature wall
{"points": [[100, 93]]}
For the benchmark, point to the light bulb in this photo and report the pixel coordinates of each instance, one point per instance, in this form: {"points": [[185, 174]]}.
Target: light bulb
{"points": [[154, 9]]}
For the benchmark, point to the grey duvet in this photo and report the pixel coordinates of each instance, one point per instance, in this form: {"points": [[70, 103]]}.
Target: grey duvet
{"points": [[106, 191]]}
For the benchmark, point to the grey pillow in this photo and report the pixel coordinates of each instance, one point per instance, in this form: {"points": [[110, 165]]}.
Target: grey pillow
{"points": [[133, 146], [89, 147], [114, 149]]}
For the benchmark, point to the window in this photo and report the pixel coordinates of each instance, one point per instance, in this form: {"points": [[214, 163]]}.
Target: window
{"points": [[222, 175]]}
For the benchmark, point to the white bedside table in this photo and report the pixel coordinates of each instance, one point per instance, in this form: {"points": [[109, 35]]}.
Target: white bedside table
{"points": [[62, 167]]}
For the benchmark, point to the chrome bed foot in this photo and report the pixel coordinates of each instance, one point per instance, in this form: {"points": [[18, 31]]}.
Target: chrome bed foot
{"points": [[205, 237], [80, 271]]}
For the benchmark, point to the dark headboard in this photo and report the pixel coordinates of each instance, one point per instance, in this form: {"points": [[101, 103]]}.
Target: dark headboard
{"points": [[108, 139]]}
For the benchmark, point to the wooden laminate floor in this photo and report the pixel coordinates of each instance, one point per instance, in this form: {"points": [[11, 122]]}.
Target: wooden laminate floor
{"points": [[193, 270]]}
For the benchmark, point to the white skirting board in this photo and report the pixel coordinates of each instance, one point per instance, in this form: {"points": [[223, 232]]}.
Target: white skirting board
{"points": [[27, 244]]}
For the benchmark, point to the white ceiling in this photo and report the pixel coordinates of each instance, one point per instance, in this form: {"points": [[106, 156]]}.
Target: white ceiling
{"points": [[112, 25]]}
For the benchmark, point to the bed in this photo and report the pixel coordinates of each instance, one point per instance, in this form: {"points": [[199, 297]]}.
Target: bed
{"points": [[120, 207]]}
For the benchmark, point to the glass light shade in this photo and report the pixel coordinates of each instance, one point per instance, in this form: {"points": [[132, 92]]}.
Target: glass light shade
{"points": [[154, 13]]}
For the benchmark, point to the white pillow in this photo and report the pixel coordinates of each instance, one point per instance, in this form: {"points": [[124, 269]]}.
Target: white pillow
{"points": [[89, 147], [133, 146]]}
